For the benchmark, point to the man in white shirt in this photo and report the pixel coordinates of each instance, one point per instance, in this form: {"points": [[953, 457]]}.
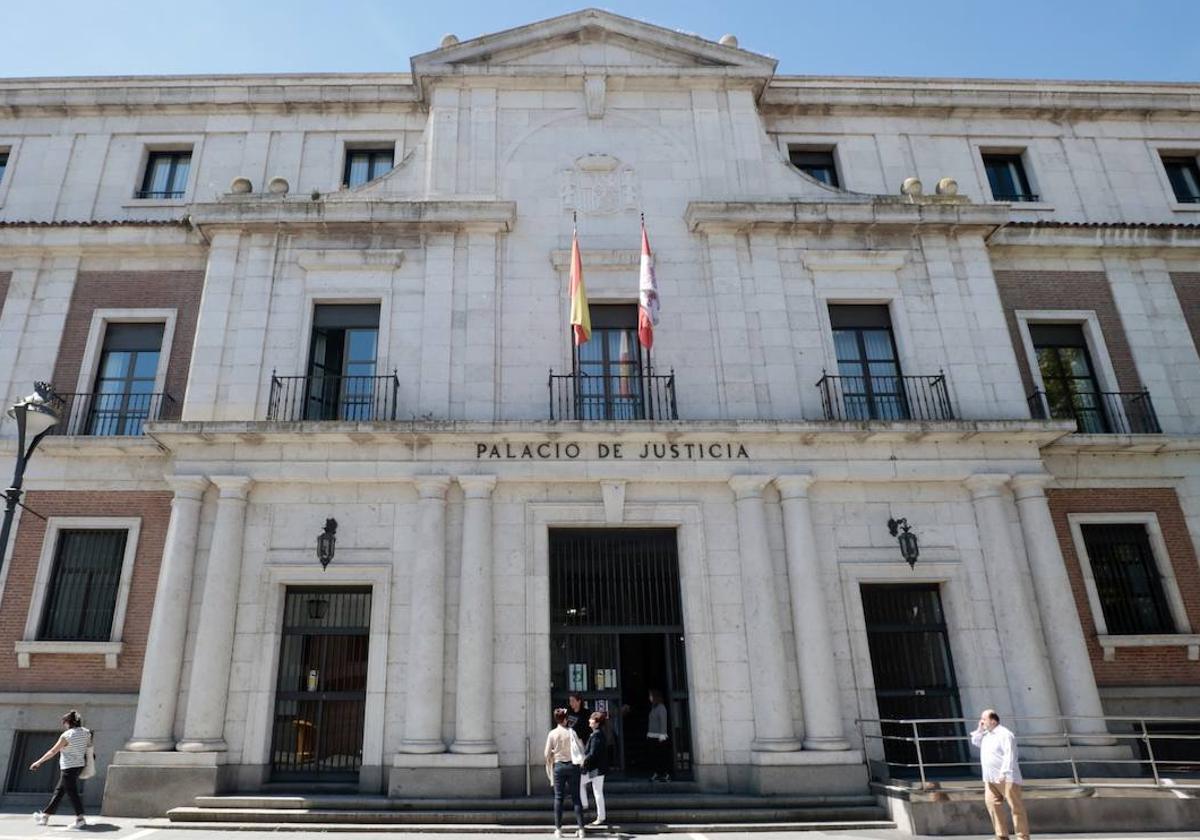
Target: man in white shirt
{"points": [[1001, 774]]}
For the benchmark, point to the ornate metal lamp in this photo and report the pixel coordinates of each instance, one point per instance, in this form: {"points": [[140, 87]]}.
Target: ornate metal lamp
{"points": [[35, 416], [327, 543], [909, 550]]}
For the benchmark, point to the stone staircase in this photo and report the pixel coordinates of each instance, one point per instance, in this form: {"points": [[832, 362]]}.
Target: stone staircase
{"points": [[678, 807]]}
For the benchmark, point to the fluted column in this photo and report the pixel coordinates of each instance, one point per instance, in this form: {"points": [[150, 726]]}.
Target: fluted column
{"points": [[810, 621], [153, 726], [1029, 680], [208, 690], [773, 727], [473, 725], [427, 628], [1072, 666]]}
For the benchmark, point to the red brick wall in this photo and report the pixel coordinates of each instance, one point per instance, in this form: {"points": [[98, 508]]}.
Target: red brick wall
{"points": [[1187, 289], [1134, 666], [55, 672], [5, 278], [179, 290], [1067, 290]]}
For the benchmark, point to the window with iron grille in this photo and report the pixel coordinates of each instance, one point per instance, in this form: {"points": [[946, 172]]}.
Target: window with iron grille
{"points": [[166, 175], [1132, 596], [815, 163], [1184, 175], [363, 165], [81, 596], [27, 748], [1007, 177]]}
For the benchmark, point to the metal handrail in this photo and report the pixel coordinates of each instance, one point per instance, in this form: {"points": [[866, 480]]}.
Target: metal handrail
{"points": [[1063, 738], [113, 414], [330, 397], [1100, 412], [885, 397], [642, 395]]}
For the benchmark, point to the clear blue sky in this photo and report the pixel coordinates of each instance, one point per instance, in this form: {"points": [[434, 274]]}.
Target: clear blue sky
{"points": [[1056, 39]]}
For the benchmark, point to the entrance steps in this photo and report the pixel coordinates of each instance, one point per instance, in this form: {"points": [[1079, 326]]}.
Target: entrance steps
{"points": [[666, 811]]}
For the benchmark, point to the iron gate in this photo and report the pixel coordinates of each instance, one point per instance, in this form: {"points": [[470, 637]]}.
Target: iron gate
{"points": [[322, 687]]}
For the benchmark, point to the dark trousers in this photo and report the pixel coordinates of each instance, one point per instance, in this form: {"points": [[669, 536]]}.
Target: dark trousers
{"points": [[660, 757], [566, 781], [68, 783]]}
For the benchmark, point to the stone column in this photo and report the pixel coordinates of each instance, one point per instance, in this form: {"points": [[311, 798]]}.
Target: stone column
{"points": [[473, 710], [810, 621], [1028, 672], [773, 727], [208, 691], [153, 727], [1077, 693], [427, 627]]}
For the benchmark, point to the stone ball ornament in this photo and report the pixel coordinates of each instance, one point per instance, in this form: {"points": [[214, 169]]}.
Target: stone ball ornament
{"points": [[912, 187], [278, 186], [728, 40], [947, 186], [241, 186]]}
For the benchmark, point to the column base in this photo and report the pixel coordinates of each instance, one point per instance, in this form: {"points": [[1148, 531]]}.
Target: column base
{"points": [[148, 784], [151, 745], [423, 747], [775, 745], [473, 747], [201, 745], [828, 744], [801, 772], [448, 775]]}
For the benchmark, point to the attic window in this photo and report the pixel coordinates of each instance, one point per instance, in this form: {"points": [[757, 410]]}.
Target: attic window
{"points": [[363, 165]]}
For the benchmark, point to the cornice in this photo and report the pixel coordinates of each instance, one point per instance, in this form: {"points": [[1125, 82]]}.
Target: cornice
{"points": [[263, 212], [877, 213]]}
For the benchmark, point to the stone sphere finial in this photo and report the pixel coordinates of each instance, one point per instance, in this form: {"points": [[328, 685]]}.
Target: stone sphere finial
{"points": [[947, 186], [448, 40], [241, 186], [278, 186], [911, 187], [728, 40]]}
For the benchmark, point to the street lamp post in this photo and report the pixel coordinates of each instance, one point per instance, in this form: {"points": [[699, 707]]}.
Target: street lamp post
{"points": [[36, 415]]}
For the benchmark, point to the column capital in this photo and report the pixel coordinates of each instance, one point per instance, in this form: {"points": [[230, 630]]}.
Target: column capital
{"points": [[1030, 485], [233, 486], [188, 486], [476, 486], [432, 486], [984, 485], [794, 486], [749, 486]]}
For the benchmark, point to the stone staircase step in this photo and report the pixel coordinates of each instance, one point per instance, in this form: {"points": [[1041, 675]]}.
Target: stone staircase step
{"points": [[360, 802], [613, 829]]}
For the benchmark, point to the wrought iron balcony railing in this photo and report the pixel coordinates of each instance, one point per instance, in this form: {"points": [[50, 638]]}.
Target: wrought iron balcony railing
{"points": [[160, 193], [639, 396], [885, 397], [110, 415], [1017, 197], [1099, 412], [333, 397]]}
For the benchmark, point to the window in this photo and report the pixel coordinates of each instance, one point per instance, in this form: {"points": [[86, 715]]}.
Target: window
{"points": [[1184, 175], [166, 175], [608, 367], [1072, 390], [1128, 582], [1007, 178], [123, 397], [341, 382], [3, 165], [363, 165], [27, 748], [816, 164], [81, 596], [869, 382]]}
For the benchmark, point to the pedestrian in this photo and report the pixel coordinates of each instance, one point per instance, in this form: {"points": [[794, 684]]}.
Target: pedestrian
{"points": [[1001, 774], [577, 716], [595, 764], [658, 737], [564, 761], [71, 749]]}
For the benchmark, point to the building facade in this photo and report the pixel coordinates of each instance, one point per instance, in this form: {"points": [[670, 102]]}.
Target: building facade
{"points": [[299, 305]]}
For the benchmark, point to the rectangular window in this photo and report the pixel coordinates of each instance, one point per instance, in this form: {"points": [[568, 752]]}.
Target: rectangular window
{"points": [[870, 385], [817, 164], [608, 367], [1132, 596], [123, 397], [341, 371], [27, 748], [81, 596], [1072, 389], [1007, 178], [166, 175], [1184, 175], [363, 165], [3, 165]]}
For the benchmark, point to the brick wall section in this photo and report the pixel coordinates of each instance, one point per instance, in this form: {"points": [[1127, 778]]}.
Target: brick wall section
{"points": [[5, 278], [179, 290], [1187, 289], [56, 672], [1134, 666], [1067, 290]]}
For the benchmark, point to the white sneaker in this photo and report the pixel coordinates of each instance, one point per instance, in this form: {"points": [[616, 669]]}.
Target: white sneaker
{"points": [[40, 818], [79, 825], [558, 832], [579, 833]]}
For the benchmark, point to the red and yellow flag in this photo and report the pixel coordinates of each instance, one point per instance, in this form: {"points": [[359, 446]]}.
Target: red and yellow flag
{"points": [[581, 318]]}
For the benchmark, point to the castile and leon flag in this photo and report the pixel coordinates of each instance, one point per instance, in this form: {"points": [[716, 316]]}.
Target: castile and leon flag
{"points": [[647, 295]]}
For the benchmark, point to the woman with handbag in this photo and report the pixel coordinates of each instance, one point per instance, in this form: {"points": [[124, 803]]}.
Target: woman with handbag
{"points": [[564, 760], [75, 759]]}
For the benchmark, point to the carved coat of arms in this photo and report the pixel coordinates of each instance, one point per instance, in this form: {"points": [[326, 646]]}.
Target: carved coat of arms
{"points": [[599, 184]]}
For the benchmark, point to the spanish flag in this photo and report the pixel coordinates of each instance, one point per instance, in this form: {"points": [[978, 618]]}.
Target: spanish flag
{"points": [[581, 319]]}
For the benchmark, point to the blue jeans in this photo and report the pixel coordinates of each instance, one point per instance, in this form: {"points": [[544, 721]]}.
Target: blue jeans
{"points": [[566, 781]]}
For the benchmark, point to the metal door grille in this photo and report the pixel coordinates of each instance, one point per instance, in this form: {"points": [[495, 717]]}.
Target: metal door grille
{"points": [[322, 686], [82, 594], [1127, 579], [607, 579], [28, 748]]}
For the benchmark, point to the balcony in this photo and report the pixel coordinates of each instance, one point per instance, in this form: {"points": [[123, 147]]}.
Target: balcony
{"points": [[887, 398], [329, 397], [639, 396], [110, 415], [1100, 412]]}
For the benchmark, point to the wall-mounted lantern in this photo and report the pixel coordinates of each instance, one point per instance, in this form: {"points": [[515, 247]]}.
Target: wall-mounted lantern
{"points": [[327, 543], [909, 549]]}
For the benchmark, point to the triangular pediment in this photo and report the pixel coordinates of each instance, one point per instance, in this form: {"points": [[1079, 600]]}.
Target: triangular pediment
{"points": [[588, 41]]}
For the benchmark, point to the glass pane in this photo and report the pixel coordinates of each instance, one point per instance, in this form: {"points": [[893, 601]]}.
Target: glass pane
{"points": [[180, 175], [360, 345], [878, 344], [159, 176], [381, 163], [145, 364], [359, 169], [1074, 360], [115, 364], [846, 344]]}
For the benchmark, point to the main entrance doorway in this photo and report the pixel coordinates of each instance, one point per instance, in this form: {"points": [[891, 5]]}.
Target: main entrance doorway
{"points": [[616, 632], [914, 674], [321, 693]]}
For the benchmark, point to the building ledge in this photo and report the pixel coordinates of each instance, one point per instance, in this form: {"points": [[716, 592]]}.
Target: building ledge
{"points": [[1189, 640], [1125, 444], [109, 650]]}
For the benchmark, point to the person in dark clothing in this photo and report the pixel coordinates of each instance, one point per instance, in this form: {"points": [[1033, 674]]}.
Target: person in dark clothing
{"points": [[71, 749], [658, 737], [595, 764], [577, 716], [564, 761]]}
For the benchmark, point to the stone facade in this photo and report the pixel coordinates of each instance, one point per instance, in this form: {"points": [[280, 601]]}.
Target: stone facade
{"points": [[447, 492]]}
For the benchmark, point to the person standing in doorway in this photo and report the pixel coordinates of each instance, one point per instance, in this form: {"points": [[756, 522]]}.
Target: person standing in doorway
{"points": [[1001, 774], [595, 764], [564, 761], [71, 749], [657, 734], [577, 716]]}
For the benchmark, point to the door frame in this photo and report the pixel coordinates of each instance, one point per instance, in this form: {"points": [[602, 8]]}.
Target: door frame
{"points": [[275, 580]]}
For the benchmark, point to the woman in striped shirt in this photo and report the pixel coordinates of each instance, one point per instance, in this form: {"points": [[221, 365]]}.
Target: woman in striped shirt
{"points": [[71, 749]]}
